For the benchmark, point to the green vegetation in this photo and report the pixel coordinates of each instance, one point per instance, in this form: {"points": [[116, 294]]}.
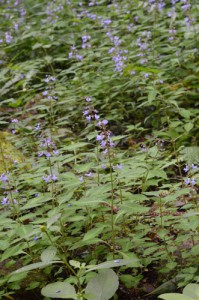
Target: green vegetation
{"points": [[99, 152]]}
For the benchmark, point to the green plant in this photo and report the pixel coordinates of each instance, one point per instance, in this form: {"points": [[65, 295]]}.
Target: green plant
{"points": [[191, 291]]}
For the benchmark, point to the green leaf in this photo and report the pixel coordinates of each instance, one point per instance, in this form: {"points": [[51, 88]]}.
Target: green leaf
{"points": [[39, 265], [112, 264], [93, 233], [173, 296], [75, 263], [12, 251], [103, 286], [185, 113], [192, 290], [61, 290], [152, 95], [53, 219], [188, 127], [48, 254]]}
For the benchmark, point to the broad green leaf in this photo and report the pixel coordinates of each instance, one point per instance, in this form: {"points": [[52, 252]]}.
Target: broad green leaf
{"points": [[75, 263], [173, 296], [152, 95], [192, 290], [134, 208], [112, 264], [93, 233], [188, 126], [58, 290], [53, 219], [103, 286], [12, 251], [39, 265], [48, 254], [85, 243]]}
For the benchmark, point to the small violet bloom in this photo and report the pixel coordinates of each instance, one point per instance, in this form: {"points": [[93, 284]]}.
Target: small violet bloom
{"points": [[186, 169], [81, 179], [90, 174], [14, 121], [119, 166], [117, 261], [3, 177], [187, 181], [194, 167]]}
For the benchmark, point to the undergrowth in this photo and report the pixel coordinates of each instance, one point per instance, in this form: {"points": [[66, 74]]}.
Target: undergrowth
{"points": [[98, 147]]}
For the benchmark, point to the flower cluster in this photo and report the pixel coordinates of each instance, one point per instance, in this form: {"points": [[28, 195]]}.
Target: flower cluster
{"points": [[190, 181], [172, 34], [85, 39], [50, 178], [14, 122], [143, 44], [104, 136], [52, 10], [49, 93], [6, 201], [154, 4], [187, 167], [90, 112], [74, 54], [118, 56], [4, 177], [48, 148]]}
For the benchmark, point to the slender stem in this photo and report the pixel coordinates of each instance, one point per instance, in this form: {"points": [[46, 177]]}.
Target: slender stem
{"points": [[112, 202]]}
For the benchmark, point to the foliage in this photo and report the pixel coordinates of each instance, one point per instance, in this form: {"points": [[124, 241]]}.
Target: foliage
{"points": [[99, 112], [191, 291]]}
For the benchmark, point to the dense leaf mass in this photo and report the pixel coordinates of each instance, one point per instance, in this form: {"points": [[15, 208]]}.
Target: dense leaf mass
{"points": [[98, 148]]}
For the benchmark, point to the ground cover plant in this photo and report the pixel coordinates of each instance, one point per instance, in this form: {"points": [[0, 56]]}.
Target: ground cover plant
{"points": [[99, 149]]}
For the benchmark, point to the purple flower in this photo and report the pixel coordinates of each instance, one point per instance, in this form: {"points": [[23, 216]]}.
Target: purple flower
{"points": [[119, 166], [46, 179], [3, 177], [40, 154], [81, 179], [88, 118], [96, 117], [193, 182], [5, 201], [79, 57], [8, 37], [37, 127], [85, 38], [103, 143], [111, 144], [186, 6], [14, 121], [194, 167], [104, 122], [100, 137], [54, 177], [186, 169], [88, 99], [187, 181], [56, 152], [47, 154], [90, 174], [86, 112]]}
